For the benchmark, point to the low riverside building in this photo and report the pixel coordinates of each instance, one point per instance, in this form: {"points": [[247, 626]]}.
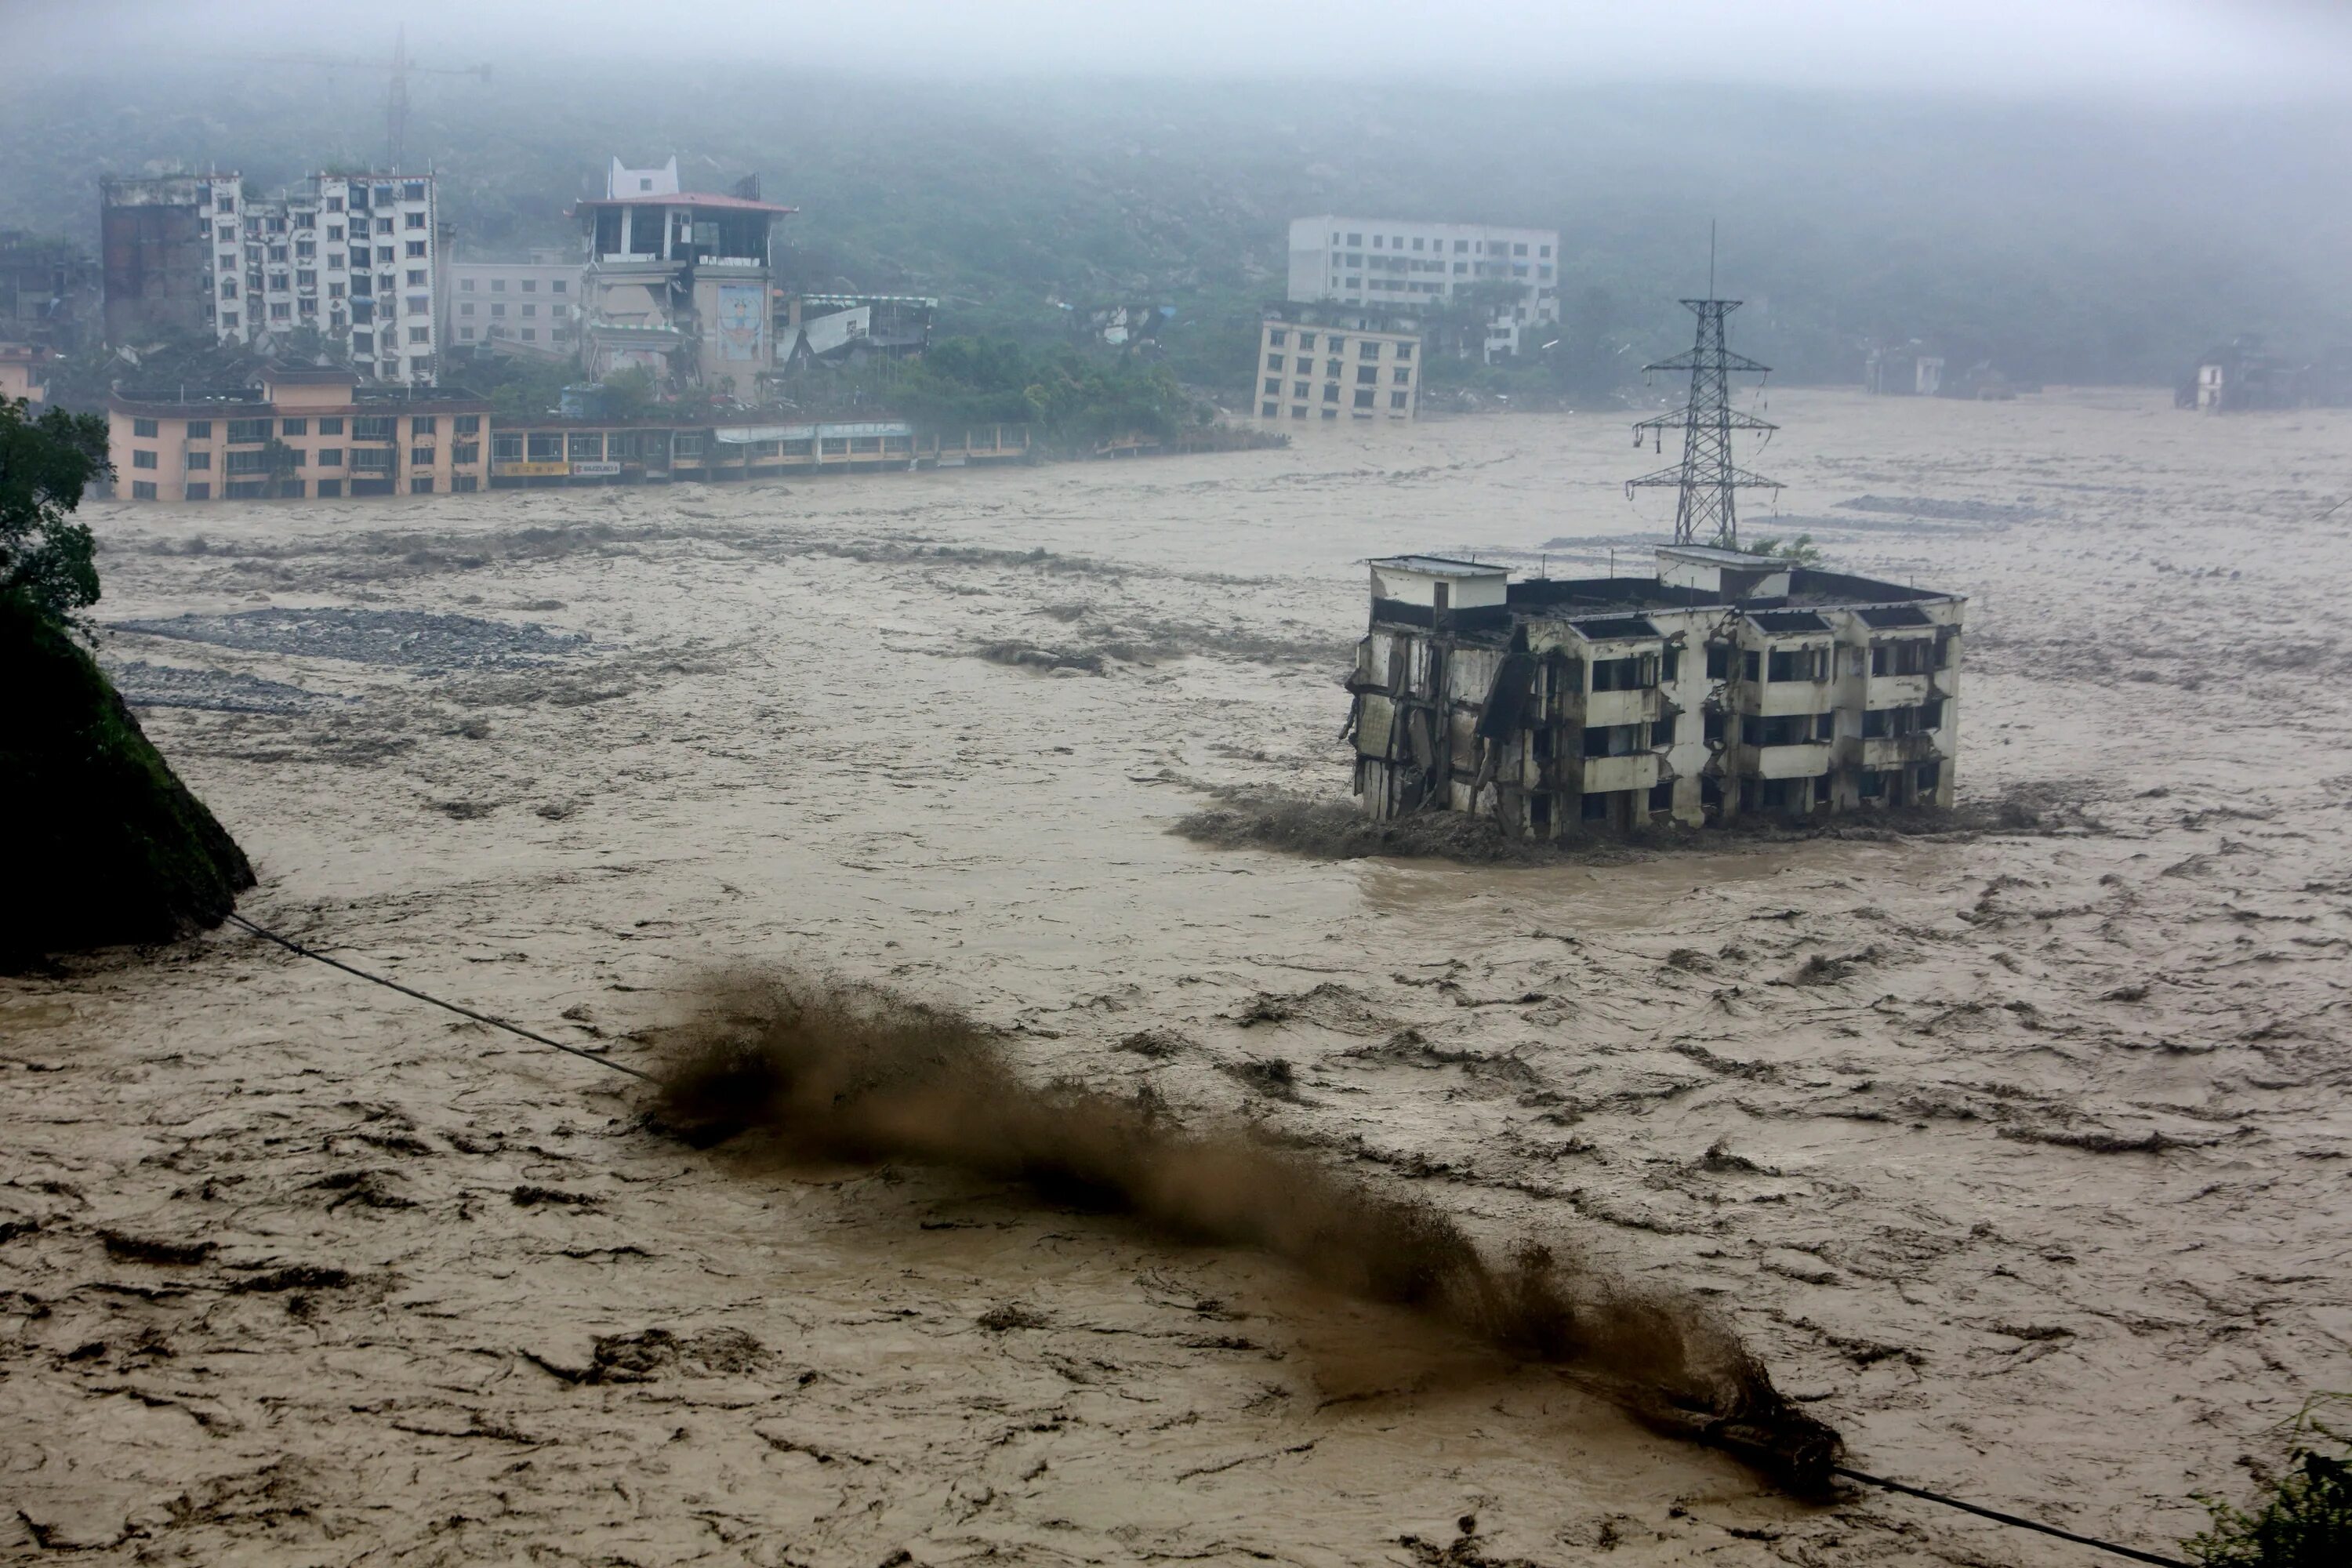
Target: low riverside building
{"points": [[1308, 368], [548, 450], [305, 430], [1727, 685]]}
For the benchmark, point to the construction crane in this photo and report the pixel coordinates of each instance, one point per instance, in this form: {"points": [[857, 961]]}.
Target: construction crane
{"points": [[395, 113]]}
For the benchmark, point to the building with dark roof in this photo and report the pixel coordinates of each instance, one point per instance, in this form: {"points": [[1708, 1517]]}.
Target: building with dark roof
{"points": [[1725, 685], [304, 431]]}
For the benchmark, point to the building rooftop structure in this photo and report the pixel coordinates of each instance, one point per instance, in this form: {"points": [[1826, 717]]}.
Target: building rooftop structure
{"points": [[1437, 565], [677, 282]]}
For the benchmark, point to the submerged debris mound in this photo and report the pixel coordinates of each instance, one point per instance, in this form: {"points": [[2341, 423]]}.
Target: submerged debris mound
{"points": [[837, 1071], [1338, 830], [1321, 828], [108, 846]]}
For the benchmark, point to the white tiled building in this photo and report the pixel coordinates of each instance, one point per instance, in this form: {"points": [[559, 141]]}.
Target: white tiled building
{"points": [[353, 256], [1399, 265], [532, 306]]}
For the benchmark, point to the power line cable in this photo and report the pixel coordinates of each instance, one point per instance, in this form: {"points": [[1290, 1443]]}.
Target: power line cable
{"points": [[291, 945], [2013, 1520]]}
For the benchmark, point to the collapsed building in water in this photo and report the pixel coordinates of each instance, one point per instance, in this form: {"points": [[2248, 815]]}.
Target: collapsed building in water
{"points": [[1729, 685]]}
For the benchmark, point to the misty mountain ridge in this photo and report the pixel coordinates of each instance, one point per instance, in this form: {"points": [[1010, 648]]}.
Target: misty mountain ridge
{"points": [[2064, 242]]}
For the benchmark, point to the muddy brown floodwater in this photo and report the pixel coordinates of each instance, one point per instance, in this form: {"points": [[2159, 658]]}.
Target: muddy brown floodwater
{"points": [[2034, 1186]]}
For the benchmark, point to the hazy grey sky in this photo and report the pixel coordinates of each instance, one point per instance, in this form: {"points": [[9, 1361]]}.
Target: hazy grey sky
{"points": [[2241, 49]]}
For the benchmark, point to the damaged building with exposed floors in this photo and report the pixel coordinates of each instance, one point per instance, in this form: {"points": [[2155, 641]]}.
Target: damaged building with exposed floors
{"points": [[1726, 685]]}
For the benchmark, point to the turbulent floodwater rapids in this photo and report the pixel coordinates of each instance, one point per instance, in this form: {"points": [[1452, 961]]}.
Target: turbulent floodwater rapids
{"points": [[2017, 1154]]}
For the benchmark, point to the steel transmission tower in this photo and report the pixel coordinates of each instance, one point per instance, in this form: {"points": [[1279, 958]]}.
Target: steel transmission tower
{"points": [[1705, 512]]}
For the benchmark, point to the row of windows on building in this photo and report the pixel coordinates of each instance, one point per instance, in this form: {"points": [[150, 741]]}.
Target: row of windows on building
{"points": [[525, 334], [499, 309], [380, 459], [307, 277], [1398, 402], [1335, 343], [529, 285], [363, 345], [383, 194], [324, 489], [363, 426], [1366, 374], [1460, 268], [1783, 730], [1461, 247], [384, 255], [359, 228], [1796, 794]]}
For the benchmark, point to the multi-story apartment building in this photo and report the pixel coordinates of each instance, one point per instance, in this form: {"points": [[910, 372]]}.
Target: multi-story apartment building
{"points": [[1728, 685], [1310, 368], [352, 256], [677, 282], [1403, 266], [304, 431], [527, 307]]}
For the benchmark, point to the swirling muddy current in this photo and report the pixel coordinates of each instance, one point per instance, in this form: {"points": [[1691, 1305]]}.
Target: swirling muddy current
{"points": [[2017, 1154]]}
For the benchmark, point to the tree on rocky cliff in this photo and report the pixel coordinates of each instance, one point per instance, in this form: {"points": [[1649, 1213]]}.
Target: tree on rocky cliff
{"points": [[48, 558], [102, 842]]}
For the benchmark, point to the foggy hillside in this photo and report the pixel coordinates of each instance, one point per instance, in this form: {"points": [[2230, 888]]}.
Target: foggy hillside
{"points": [[2083, 242]]}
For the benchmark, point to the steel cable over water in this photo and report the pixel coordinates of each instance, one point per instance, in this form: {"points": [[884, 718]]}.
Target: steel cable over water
{"points": [[2013, 1520]]}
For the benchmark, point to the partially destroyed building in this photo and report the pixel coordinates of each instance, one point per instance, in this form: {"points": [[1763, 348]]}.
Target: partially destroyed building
{"points": [[677, 282], [1728, 685], [350, 257]]}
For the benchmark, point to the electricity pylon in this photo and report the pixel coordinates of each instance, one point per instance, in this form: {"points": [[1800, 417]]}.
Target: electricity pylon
{"points": [[1705, 512]]}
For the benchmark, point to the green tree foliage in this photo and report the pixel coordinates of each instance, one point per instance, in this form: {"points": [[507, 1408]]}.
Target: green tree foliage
{"points": [[166, 365], [630, 394], [2302, 1518], [47, 559], [518, 388], [1073, 398]]}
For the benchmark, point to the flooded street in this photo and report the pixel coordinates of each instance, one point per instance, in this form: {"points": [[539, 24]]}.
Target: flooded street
{"points": [[2019, 1157]]}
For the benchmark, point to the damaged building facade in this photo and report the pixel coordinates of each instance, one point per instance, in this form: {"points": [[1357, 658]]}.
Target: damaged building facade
{"points": [[352, 256], [1726, 685], [677, 282]]}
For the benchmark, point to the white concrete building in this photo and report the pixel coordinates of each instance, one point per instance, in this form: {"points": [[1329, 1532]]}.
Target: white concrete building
{"points": [[354, 257], [1400, 265], [526, 307], [1728, 685], [1308, 370]]}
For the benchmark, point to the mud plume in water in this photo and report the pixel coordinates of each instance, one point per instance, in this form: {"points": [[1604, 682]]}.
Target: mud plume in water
{"points": [[844, 1072]]}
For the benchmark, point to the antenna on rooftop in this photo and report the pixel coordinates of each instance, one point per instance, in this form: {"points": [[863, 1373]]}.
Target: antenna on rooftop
{"points": [[395, 115], [1705, 511]]}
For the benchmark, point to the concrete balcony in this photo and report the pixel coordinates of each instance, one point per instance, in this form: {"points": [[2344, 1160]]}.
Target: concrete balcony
{"points": [[1605, 708], [1898, 690], [1882, 752], [1635, 770], [1807, 760], [1769, 698]]}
